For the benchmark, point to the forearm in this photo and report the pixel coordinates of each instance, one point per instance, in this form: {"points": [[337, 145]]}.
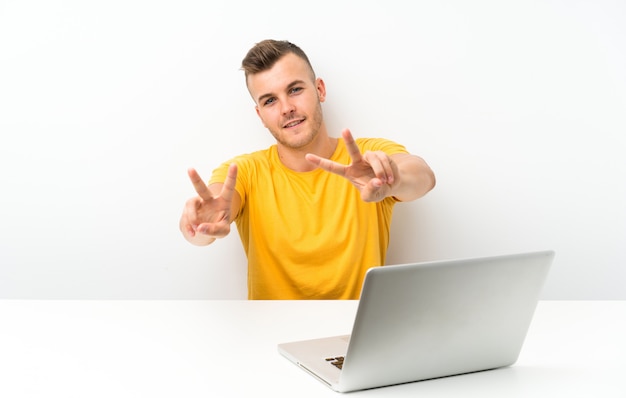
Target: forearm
{"points": [[414, 180]]}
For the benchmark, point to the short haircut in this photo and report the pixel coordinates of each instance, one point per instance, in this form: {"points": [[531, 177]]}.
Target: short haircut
{"points": [[266, 53]]}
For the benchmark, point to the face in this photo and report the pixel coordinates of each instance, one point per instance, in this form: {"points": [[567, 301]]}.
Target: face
{"points": [[288, 101]]}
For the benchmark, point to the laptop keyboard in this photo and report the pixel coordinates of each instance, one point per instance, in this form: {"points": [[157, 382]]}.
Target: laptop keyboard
{"points": [[336, 361]]}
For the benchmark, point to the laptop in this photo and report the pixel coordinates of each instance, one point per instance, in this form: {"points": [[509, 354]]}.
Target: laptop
{"points": [[429, 320]]}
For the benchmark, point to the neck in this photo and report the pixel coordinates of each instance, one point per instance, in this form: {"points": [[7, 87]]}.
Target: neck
{"points": [[294, 159]]}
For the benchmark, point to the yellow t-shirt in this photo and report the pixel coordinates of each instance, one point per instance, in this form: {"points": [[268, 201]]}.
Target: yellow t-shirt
{"points": [[308, 235]]}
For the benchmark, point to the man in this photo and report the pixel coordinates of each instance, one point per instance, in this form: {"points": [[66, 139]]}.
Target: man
{"points": [[313, 212]]}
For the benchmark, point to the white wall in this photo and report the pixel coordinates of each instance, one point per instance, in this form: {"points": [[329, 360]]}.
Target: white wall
{"points": [[519, 107]]}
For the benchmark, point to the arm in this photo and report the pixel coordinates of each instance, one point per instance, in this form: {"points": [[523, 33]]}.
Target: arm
{"points": [[208, 216], [378, 175], [415, 178]]}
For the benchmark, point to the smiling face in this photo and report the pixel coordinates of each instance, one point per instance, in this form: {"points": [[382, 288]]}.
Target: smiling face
{"points": [[288, 100]]}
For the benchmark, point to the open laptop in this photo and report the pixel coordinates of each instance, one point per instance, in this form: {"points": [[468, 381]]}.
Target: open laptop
{"points": [[428, 320]]}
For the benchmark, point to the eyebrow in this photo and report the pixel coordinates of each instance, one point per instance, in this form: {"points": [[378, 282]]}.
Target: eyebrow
{"points": [[290, 86]]}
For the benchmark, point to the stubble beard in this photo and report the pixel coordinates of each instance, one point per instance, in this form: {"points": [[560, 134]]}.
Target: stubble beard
{"points": [[303, 138]]}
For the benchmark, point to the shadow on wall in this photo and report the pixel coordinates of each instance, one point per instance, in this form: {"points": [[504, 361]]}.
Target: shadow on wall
{"points": [[410, 237]]}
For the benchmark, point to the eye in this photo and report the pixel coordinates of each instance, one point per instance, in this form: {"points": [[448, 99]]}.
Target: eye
{"points": [[295, 90], [269, 101]]}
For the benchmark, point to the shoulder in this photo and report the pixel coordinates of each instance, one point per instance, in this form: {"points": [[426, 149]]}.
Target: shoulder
{"points": [[380, 144], [247, 164], [255, 159]]}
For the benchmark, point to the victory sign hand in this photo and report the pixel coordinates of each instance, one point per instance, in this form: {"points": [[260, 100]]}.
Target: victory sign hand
{"points": [[209, 213], [373, 173]]}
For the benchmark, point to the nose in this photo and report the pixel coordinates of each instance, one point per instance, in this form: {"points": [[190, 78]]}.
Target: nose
{"points": [[287, 107]]}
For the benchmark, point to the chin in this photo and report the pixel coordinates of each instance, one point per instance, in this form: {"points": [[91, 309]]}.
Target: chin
{"points": [[296, 140]]}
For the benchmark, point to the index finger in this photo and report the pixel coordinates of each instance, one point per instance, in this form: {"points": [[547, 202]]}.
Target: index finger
{"points": [[353, 149], [199, 185]]}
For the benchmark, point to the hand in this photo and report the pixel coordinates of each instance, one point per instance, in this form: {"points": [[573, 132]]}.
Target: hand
{"points": [[208, 216], [372, 173]]}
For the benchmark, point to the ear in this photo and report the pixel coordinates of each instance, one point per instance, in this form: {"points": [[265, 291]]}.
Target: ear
{"points": [[321, 89]]}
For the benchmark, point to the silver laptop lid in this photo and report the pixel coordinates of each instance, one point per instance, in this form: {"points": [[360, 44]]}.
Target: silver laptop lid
{"points": [[442, 318]]}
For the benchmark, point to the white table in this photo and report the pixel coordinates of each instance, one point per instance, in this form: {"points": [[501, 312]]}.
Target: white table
{"points": [[228, 349]]}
